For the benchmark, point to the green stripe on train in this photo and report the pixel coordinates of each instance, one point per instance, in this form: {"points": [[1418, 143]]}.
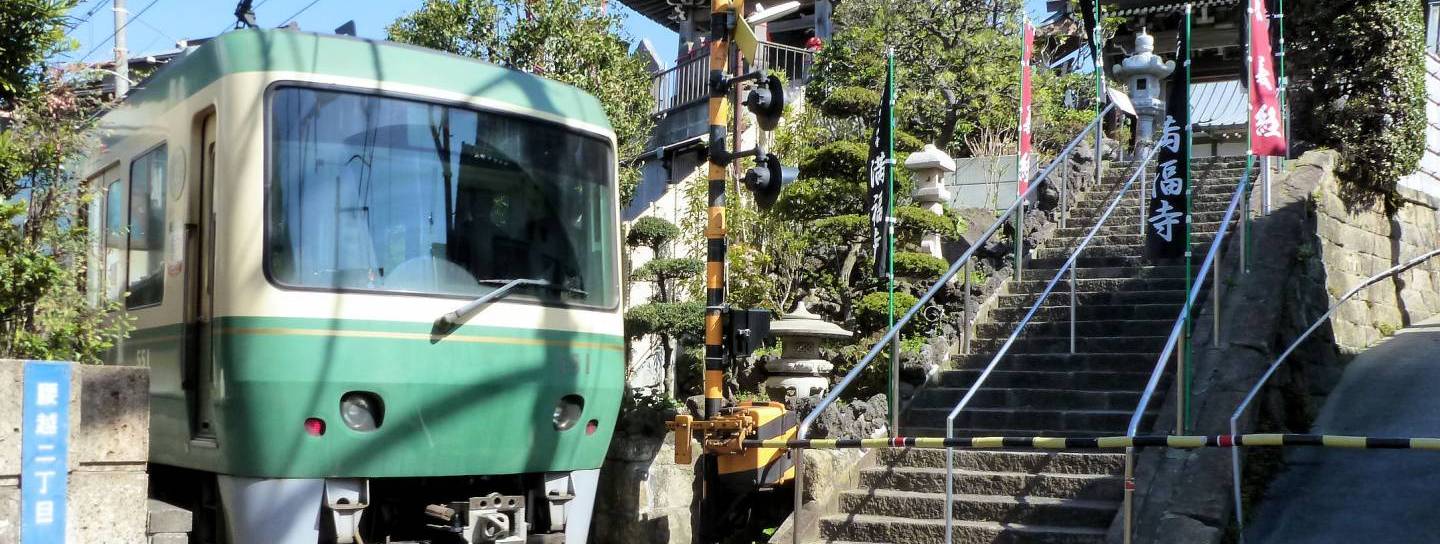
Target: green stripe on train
{"points": [[479, 401], [257, 50]]}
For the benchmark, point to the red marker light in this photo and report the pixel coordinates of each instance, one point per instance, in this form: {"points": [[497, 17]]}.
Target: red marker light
{"points": [[591, 426], [314, 426]]}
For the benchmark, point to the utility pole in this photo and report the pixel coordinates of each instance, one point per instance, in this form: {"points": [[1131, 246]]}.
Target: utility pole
{"points": [[122, 61]]}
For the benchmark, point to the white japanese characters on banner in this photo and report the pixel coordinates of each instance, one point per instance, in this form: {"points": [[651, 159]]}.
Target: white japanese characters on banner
{"points": [[1267, 128], [1166, 219]]}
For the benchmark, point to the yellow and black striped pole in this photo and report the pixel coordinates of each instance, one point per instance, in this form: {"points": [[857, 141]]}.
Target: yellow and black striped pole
{"points": [[721, 13], [1111, 442]]}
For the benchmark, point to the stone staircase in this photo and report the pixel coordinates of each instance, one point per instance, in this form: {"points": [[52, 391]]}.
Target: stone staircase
{"points": [[1125, 308]]}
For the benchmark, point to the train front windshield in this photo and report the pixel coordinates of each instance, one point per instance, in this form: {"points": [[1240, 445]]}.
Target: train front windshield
{"points": [[373, 193]]}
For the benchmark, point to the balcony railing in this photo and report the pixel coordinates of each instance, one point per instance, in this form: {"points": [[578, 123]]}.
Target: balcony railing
{"points": [[687, 83]]}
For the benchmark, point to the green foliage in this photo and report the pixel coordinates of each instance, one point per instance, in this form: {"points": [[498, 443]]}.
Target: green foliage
{"points": [[675, 319], [851, 101], [652, 232], [1366, 61], [841, 228], [578, 42], [955, 75], [836, 160], [44, 311], [919, 221], [668, 269], [872, 311], [30, 31], [920, 266]]}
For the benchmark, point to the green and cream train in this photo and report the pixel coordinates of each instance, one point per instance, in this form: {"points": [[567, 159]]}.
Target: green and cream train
{"points": [[377, 287]]}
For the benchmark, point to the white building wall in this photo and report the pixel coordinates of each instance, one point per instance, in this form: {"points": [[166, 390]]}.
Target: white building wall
{"points": [[1426, 178]]}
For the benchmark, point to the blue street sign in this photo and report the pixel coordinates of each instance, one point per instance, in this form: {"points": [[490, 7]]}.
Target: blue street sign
{"points": [[44, 450]]}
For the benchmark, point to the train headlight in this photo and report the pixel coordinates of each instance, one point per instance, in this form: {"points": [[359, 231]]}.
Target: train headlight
{"points": [[362, 411], [567, 412]]}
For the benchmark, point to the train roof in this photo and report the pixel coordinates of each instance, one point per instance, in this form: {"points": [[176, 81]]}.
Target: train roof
{"points": [[257, 50]]}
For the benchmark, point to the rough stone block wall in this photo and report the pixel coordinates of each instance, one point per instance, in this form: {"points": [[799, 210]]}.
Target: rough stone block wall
{"points": [[1314, 247], [109, 446], [644, 495], [1360, 240]]}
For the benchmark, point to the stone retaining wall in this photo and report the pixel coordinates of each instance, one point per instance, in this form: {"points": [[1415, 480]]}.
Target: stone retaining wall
{"points": [[109, 445], [1311, 250], [1361, 240]]}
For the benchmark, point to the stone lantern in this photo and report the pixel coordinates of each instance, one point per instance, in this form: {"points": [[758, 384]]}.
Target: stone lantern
{"points": [[1142, 72], [800, 371], [930, 166]]}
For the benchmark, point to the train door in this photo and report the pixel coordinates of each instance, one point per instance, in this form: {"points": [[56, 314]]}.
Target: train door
{"points": [[199, 275]]}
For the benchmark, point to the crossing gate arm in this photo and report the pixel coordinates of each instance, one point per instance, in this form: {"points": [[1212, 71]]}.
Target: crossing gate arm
{"points": [[1109, 442]]}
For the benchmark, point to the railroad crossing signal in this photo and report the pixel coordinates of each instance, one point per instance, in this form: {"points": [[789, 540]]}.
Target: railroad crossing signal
{"points": [[732, 332]]}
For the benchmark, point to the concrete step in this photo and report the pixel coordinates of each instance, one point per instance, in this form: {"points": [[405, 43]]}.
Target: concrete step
{"points": [[909, 530], [1206, 198], [1084, 284], [917, 430], [1085, 217], [1083, 327], [1116, 238], [1025, 300], [981, 482], [1090, 260], [1120, 225], [1027, 398], [996, 508], [1066, 362], [1031, 462], [1025, 418], [1056, 309], [1056, 344], [1058, 253], [1168, 271], [1048, 379]]}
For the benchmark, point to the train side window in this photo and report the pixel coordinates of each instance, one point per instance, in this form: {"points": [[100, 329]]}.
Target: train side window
{"points": [[114, 241], [146, 242]]}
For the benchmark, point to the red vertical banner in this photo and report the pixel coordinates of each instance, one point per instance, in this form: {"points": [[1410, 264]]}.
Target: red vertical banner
{"points": [[1027, 50], [1267, 130]]}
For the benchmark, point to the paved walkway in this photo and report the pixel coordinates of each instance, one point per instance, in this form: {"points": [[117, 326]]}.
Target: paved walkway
{"points": [[1367, 496]]}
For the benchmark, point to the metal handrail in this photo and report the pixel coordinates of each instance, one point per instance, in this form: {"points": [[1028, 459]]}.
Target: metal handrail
{"points": [[688, 82], [1249, 397], [681, 85], [929, 294], [1069, 266], [1174, 339]]}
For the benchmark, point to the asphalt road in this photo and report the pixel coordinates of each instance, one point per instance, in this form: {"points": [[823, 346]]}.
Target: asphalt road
{"points": [[1366, 496]]}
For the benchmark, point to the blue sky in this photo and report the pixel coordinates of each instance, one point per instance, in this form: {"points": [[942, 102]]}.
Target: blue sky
{"points": [[166, 21]]}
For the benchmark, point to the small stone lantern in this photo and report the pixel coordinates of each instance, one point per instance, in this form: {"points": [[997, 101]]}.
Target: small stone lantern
{"points": [[800, 371], [1142, 72], [930, 166]]}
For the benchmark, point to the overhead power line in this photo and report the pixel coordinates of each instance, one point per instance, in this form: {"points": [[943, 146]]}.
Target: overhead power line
{"points": [[297, 14], [102, 43], [86, 18]]}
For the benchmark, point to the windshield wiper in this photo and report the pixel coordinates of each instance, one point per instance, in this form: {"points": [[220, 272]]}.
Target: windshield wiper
{"points": [[452, 319]]}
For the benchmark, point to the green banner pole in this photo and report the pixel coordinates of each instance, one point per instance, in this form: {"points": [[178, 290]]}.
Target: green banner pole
{"points": [[1189, 240], [890, 240]]}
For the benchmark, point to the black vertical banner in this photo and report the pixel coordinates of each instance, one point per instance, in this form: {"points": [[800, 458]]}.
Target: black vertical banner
{"points": [[1167, 217], [1087, 10], [880, 212]]}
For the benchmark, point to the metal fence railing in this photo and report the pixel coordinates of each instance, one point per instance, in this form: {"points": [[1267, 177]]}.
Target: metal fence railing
{"points": [[1068, 267], [684, 84], [1264, 378], [1179, 334], [1010, 215], [688, 82], [793, 62]]}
